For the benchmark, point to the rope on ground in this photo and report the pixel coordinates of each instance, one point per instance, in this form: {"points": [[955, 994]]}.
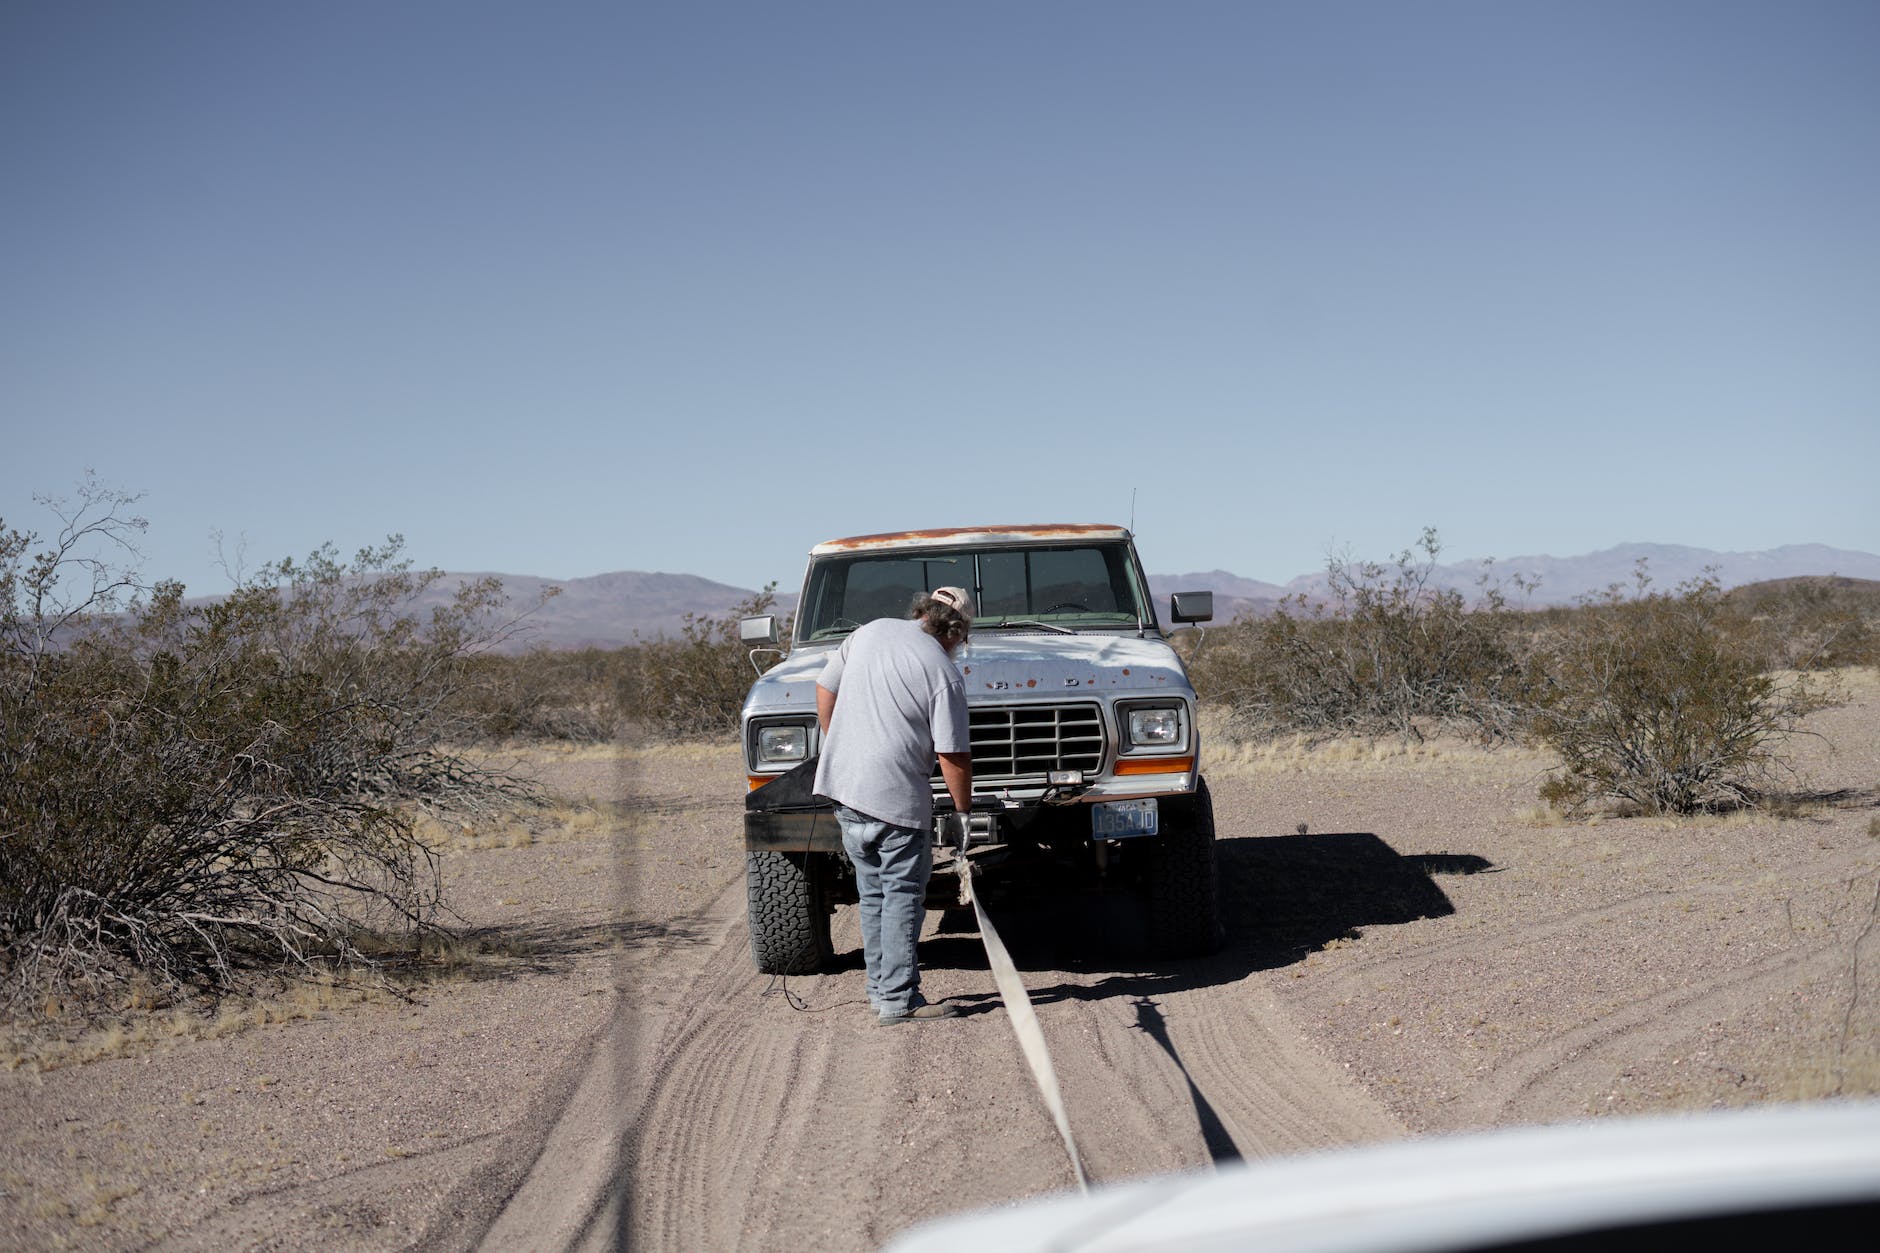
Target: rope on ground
{"points": [[781, 983]]}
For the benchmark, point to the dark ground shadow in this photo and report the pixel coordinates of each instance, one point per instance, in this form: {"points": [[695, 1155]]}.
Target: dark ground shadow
{"points": [[1282, 897], [525, 949], [1214, 1134]]}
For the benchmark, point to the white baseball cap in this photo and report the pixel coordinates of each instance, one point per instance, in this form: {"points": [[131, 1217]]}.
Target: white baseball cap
{"points": [[956, 598]]}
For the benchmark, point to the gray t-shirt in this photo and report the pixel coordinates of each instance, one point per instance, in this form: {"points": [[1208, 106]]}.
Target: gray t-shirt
{"points": [[899, 701]]}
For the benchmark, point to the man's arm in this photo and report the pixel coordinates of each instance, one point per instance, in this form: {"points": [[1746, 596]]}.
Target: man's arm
{"points": [[825, 706], [956, 771]]}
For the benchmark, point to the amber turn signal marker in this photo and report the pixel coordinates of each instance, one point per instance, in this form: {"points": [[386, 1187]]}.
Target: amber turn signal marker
{"points": [[1154, 765], [758, 780]]}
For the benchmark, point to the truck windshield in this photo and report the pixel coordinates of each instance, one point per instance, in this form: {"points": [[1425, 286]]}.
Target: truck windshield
{"points": [[1048, 587]]}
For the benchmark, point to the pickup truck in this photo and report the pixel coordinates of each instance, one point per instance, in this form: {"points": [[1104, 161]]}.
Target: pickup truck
{"points": [[1086, 753]]}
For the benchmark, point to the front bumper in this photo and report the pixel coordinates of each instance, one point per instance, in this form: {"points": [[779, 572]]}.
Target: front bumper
{"points": [[814, 829], [800, 831]]}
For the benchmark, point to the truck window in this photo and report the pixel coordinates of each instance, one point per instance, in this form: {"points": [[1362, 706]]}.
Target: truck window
{"points": [[845, 594], [1038, 581]]}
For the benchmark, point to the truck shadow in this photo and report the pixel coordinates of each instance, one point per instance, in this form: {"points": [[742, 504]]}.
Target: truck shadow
{"points": [[1282, 897]]}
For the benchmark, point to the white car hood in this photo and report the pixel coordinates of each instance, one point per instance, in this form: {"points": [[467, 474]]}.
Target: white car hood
{"points": [[1048, 664], [1511, 1188], [1007, 665]]}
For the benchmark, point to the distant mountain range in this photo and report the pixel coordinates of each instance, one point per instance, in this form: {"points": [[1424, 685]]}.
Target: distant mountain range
{"points": [[1561, 580], [609, 610]]}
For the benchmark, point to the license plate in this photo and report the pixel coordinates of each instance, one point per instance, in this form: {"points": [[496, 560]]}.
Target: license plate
{"points": [[1117, 820]]}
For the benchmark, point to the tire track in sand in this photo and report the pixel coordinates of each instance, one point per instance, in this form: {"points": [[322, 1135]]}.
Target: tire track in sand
{"points": [[1563, 1071], [762, 1127], [1559, 1078], [714, 1117]]}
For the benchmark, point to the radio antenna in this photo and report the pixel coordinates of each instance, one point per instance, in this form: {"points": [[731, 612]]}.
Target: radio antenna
{"points": [[1132, 511]]}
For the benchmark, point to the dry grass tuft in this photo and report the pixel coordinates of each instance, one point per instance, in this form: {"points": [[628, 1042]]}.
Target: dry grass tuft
{"points": [[570, 822], [88, 1203], [507, 831], [45, 1046], [527, 753], [701, 751], [539, 752], [1298, 754], [443, 955], [550, 823]]}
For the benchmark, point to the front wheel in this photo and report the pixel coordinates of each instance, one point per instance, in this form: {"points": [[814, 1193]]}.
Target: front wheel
{"points": [[789, 912], [1180, 886]]}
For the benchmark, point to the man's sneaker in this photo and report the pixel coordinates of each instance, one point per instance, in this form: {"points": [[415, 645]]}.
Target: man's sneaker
{"points": [[920, 1013]]}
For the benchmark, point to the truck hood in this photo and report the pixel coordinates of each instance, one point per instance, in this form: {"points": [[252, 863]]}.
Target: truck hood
{"points": [[1047, 664], [1006, 665]]}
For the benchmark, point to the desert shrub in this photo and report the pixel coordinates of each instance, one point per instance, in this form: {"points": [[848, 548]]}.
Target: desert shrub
{"points": [[193, 790], [1665, 700], [694, 685], [569, 696], [1384, 652], [1822, 623]]}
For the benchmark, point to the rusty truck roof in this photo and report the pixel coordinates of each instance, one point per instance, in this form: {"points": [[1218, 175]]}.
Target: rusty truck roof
{"points": [[966, 535]]}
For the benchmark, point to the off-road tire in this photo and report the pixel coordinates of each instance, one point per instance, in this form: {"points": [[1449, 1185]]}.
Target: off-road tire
{"points": [[1180, 889], [789, 912]]}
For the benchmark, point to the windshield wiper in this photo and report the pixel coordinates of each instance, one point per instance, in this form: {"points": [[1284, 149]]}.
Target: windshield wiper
{"points": [[1031, 622]]}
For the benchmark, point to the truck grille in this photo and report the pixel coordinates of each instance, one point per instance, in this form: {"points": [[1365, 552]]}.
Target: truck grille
{"points": [[1027, 740]]}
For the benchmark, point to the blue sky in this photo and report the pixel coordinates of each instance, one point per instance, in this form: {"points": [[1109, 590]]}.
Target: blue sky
{"points": [[560, 289]]}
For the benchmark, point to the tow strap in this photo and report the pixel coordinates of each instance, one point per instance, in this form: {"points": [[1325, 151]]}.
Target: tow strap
{"points": [[791, 796], [1024, 1018]]}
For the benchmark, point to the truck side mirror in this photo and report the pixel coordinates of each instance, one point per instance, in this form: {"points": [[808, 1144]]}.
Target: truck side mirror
{"points": [[1191, 607], [759, 630]]}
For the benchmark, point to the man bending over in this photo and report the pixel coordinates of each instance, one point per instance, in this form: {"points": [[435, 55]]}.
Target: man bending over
{"points": [[889, 701]]}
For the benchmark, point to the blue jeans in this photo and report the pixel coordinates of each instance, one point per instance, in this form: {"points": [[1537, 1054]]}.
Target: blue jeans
{"points": [[891, 868]]}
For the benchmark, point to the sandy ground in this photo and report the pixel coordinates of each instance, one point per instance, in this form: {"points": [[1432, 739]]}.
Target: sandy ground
{"points": [[1413, 948]]}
